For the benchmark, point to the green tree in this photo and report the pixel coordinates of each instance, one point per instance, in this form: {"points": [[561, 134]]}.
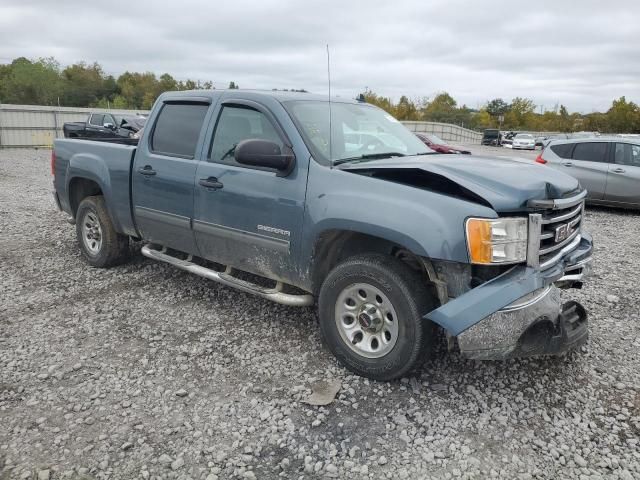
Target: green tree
{"points": [[520, 115], [497, 107], [31, 82], [406, 109], [623, 117], [85, 85], [233, 86], [443, 108]]}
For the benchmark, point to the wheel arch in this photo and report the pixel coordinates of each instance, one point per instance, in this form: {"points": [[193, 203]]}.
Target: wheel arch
{"points": [[335, 245]]}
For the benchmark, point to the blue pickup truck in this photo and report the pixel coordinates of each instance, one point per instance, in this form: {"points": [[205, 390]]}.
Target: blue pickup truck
{"points": [[301, 201]]}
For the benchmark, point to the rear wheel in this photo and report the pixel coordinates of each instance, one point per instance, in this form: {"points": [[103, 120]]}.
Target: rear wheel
{"points": [[100, 244], [370, 309]]}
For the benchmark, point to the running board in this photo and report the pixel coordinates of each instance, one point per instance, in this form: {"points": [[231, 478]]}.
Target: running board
{"points": [[274, 294]]}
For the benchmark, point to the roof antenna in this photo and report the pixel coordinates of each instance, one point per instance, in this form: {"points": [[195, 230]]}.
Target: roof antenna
{"points": [[329, 80]]}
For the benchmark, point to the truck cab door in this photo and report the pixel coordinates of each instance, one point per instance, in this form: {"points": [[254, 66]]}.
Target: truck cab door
{"points": [[93, 127], [248, 217], [163, 175]]}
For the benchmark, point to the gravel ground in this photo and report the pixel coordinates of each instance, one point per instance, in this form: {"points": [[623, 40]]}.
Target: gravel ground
{"points": [[143, 371]]}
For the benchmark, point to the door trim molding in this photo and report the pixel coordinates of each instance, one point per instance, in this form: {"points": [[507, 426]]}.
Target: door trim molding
{"points": [[230, 233], [164, 217]]}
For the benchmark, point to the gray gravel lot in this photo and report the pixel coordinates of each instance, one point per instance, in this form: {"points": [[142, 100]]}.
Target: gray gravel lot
{"points": [[144, 371]]}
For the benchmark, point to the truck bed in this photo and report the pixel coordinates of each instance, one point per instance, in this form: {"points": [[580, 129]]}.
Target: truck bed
{"points": [[108, 165]]}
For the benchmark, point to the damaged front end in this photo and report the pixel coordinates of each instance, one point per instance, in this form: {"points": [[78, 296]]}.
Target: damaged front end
{"points": [[520, 312]]}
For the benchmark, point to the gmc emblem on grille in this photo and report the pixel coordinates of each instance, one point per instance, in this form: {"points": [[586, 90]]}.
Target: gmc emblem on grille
{"points": [[562, 232]]}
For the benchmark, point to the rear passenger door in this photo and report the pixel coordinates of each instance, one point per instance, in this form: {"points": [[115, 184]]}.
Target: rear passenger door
{"points": [[623, 183], [589, 164], [164, 172]]}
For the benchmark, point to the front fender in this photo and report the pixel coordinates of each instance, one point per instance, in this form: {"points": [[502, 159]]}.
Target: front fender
{"points": [[427, 223]]}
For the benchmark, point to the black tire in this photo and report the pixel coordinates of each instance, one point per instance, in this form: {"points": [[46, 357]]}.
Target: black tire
{"points": [[410, 298], [113, 248]]}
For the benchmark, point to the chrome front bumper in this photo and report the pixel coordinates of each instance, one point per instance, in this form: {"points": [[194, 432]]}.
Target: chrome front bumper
{"points": [[536, 324]]}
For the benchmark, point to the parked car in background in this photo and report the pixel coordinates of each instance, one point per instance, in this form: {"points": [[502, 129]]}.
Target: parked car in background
{"points": [[540, 140], [491, 136], [436, 144], [507, 139], [101, 125], [609, 168], [524, 141]]}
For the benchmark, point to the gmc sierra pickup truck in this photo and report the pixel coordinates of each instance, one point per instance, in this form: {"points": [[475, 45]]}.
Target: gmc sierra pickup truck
{"points": [[265, 192]]}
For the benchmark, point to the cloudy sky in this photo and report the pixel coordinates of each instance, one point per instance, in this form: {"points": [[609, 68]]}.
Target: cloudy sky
{"points": [[581, 53]]}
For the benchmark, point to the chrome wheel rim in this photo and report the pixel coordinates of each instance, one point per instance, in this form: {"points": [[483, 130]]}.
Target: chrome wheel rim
{"points": [[91, 233], [366, 320]]}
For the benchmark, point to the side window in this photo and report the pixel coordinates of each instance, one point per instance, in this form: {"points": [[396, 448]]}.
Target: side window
{"points": [[563, 150], [108, 119], [236, 124], [96, 119], [590, 151], [627, 154], [177, 129]]}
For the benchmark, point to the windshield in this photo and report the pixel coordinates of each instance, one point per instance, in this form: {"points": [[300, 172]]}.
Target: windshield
{"points": [[357, 131], [523, 135], [435, 139]]}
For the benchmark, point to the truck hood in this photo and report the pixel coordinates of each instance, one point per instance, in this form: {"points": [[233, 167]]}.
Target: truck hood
{"points": [[505, 184]]}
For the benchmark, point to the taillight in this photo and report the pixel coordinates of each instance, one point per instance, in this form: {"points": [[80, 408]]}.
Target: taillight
{"points": [[541, 160], [53, 162]]}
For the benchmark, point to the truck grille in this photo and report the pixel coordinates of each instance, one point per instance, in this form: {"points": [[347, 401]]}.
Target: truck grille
{"points": [[559, 229], [555, 231]]}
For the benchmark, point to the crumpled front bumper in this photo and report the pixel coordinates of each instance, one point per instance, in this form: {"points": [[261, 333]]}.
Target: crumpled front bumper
{"points": [[520, 313]]}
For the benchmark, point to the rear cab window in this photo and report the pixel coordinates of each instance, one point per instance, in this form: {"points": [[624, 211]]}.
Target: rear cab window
{"points": [[177, 129], [590, 152]]}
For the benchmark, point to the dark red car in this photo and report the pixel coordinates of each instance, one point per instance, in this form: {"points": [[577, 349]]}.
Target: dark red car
{"points": [[437, 144]]}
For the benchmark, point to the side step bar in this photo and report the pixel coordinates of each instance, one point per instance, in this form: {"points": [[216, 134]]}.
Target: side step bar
{"points": [[274, 294]]}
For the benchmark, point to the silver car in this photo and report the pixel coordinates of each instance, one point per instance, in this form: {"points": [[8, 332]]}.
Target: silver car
{"points": [[609, 168], [524, 141]]}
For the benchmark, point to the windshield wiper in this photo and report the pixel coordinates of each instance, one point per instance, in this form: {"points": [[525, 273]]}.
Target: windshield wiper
{"points": [[368, 156]]}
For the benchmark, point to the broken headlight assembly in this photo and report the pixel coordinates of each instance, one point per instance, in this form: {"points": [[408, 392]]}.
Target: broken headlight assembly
{"points": [[497, 240]]}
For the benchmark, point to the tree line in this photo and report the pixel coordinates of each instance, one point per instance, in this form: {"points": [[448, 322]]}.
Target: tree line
{"points": [[45, 82], [520, 114]]}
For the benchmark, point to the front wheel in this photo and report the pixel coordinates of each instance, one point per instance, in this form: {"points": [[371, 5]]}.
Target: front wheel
{"points": [[101, 245], [371, 308]]}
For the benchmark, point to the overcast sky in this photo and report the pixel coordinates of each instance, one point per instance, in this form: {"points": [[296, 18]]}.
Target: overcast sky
{"points": [[582, 53]]}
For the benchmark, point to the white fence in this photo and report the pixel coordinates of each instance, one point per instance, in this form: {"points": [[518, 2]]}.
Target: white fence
{"points": [[36, 126], [446, 131]]}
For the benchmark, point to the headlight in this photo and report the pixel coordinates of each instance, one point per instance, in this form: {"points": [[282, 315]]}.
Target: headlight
{"points": [[500, 240]]}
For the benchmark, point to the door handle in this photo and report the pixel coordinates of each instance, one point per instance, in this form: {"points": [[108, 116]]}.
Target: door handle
{"points": [[211, 182], [568, 164], [147, 170], [619, 170]]}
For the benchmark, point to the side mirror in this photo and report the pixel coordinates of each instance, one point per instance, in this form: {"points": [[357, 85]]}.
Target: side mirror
{"points": [[264, 153], [109, 125]]}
